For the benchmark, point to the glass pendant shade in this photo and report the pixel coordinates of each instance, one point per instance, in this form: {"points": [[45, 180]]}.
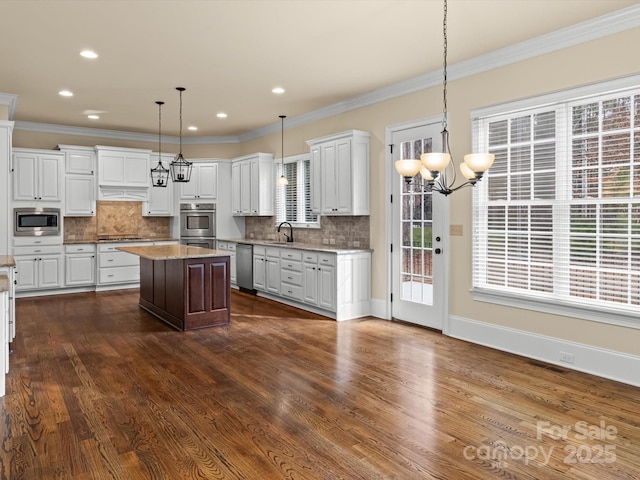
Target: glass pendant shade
{"points": [[426, 174], [408, 168], [435, 161], [282, 181], [467, 172], [479, 162]]}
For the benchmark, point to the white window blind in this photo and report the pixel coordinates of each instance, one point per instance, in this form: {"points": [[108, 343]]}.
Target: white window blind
{"points": [[557, 218], [293, 201]]}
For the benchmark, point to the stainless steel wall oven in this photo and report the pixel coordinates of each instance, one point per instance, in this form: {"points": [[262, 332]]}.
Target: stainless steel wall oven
{"points": [[198, 224]]}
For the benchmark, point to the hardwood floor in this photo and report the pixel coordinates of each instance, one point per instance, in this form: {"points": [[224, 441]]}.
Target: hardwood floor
{"points": [[100, 389]]}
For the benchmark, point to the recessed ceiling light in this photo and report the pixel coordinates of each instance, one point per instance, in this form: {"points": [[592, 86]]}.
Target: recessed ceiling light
{"points": [[221, 115], [65, 93], [88, 54], [93, 117], [278, 90], [193, 128]]}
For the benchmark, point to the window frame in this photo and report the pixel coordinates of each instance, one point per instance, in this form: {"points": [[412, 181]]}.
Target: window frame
{"points": [[562, 102], [278, 193]]}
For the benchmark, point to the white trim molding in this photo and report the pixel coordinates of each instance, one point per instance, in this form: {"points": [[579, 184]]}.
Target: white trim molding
{"points": [[601, 362]]}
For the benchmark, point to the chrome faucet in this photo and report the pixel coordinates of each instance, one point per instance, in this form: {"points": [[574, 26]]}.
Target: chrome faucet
{"points": [[289, 238]]}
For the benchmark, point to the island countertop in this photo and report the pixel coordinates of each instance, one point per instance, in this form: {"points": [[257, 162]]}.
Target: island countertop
{"points": [[173, 252], [7, 261]]}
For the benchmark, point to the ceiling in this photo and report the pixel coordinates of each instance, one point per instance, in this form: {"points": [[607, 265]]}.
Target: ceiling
{"points": [[229, 54]]}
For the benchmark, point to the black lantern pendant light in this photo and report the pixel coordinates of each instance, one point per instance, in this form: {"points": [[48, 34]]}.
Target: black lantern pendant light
{"points": [[159, 174], [180, 168], [282, 180]]}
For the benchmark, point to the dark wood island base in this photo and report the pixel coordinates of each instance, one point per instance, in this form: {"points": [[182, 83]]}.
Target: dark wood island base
{"points": [[187, 290]]}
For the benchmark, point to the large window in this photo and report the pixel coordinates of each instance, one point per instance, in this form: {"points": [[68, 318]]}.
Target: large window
{"points": [[293, 201], [557, 220]]}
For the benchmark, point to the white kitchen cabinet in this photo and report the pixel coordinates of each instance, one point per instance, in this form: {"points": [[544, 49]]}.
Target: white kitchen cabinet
{"points": [[80, 265], [330, 283], [259, 268], [342, 163], [118, 268], [160, 199], [230, 248], [38, 268], [79, 196], [10, 272], [37, 175], [123, 173], [203, 184], [253, 185], [79, 160], [272, 270]]}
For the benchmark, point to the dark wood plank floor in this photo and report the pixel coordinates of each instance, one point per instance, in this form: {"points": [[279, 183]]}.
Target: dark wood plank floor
{"points": [[100, 389]]}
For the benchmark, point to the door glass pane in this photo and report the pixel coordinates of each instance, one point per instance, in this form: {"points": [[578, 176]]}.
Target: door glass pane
{"points": [[416, 215]]}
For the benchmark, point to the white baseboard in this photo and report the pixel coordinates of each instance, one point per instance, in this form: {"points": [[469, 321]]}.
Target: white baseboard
{"points": [[379, 309], [609, 364]]}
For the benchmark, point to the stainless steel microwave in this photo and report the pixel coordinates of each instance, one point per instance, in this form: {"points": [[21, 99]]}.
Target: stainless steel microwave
{"points": [[36, 221]]}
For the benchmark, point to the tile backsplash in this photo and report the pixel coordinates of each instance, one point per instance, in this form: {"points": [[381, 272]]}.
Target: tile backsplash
{"points": [[116, 219], [346, 232]]}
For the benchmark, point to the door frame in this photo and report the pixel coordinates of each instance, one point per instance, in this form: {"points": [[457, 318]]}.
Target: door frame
{"points": [[392, 176]]}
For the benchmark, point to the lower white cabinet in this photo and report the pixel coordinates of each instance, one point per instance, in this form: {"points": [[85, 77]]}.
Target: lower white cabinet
{"points": [[116, 267], [80, 265], [230, 248], [38, 268], [335, 284]]}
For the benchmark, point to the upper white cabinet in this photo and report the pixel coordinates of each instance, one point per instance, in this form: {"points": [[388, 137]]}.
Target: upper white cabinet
{"points": [[123, 173], [160, 199], [203, 184], [340, 173], [37, 175], [80, 183], [253, 185]]}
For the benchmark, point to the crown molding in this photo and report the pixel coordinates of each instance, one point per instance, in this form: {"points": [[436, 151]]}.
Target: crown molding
{"points": [[606, 25], [9, 99]]}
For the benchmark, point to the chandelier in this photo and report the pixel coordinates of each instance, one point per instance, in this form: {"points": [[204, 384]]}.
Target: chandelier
{"points": [[159, 174], [437, 168], [180, 168]]}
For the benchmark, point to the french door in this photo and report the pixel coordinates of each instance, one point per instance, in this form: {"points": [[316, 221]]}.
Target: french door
{"points": [[419, 223]]}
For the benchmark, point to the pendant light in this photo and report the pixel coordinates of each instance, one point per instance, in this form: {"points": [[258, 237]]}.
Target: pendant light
{"points": [[282, 181], [180, 168], [436, 166], [159, 174]]}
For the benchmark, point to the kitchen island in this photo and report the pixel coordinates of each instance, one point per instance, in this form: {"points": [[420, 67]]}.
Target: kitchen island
{"points": [[186, 287]]}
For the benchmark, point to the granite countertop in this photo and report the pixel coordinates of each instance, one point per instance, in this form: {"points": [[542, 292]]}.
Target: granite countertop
{"points": [[315, 247], [7, 261], [120, 240], [173, 252], [4, 283]]}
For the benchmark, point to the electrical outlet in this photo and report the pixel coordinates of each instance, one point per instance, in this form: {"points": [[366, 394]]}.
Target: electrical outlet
{"points": [[332, 241], [455, 230], [566, 357], [325, 241], [356, 243]]}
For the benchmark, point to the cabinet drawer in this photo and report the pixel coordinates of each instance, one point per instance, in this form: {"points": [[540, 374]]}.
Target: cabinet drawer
{"points": [[119, 275], [222, 245], [273, 252], [231, 247], [291, 265], [44, 250], [118, 259], [37, 241], [85, 248], [291, 291], [287, 254], [324, 259], [290, 277], [310, 257]]}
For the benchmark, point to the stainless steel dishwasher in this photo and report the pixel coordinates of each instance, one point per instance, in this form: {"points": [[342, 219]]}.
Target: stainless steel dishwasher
{"points": [[244, 265]]}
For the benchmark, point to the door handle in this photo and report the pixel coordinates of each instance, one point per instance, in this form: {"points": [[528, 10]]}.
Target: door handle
{"points": [[438, 251]]}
